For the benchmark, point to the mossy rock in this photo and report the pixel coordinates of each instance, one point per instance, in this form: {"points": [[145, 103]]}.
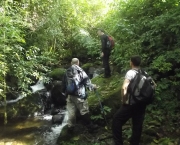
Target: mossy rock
{"points": [[86, 66], [108, 92], [57, 74], [97, 63]]}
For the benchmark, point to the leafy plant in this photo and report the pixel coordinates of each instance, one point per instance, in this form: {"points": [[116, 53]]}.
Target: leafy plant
{"points": [[100, 116]]}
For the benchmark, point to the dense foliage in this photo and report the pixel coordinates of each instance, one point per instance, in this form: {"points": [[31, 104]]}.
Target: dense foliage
{"points": [[39, 35]]}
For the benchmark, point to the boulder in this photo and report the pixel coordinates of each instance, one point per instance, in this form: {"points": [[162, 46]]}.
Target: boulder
{"points": [[58, 118]]}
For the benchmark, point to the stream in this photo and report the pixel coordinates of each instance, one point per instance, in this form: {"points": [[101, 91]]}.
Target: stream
{"points": [[38, 130], [33, 130]]}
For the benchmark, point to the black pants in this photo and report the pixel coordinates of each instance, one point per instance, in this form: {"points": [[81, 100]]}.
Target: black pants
{"points": [[107, 71], [126, 112]]}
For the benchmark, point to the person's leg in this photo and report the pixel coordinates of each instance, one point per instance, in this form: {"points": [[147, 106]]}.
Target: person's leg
{"points": [[71, 108], [107, 71], [104, 62], [108, 66], [119, 119], [137, 122], [83, 108], [84, 111]]}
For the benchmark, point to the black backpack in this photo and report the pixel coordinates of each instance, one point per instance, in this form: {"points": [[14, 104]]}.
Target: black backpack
{"points": [[71, 81], [141, 89]]}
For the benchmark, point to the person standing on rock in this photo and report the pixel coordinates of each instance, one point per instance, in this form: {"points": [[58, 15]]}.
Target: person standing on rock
{"points": [[75, 83], [105, 53]]}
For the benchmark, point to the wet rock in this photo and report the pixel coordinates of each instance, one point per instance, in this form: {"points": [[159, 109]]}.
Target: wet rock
{"points": [[58, 99], [57, 119]]}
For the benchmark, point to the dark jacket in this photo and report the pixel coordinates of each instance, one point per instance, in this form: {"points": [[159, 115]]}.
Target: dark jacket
{"points": [[104, 47]]}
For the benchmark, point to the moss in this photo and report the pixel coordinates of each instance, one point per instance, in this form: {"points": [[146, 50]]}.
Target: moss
{"points": [[97, 63], [57, 74], [107, 87], [86, 66], [108, 92]]}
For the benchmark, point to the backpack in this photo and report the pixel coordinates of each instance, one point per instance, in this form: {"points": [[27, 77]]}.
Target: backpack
{"points": [[72, 81], [110, 42], [141, 89]]}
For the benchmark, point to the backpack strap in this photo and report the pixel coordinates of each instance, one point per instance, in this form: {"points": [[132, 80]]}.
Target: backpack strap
{"points": [[141, 71], [138, 71], [144, 73]]}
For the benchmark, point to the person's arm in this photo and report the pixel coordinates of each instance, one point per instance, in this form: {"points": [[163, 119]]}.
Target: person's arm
{"points": [[124, 90], [89, 85], [87, 82], [125, 86], [155, 85]]}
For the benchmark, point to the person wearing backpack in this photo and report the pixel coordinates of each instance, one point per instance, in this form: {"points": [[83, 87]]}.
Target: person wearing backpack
{"points": [[75, 83], [105, 52], [133, 104]]}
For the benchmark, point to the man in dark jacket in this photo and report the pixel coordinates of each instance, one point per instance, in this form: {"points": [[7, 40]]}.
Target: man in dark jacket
{"points": [[105, 53]]}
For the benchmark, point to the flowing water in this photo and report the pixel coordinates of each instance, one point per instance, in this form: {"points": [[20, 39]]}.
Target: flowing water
{"points": [[32, 131], [37, 130]]}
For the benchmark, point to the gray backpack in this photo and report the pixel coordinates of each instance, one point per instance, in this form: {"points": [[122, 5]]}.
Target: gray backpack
{"points": [[141, 88]]}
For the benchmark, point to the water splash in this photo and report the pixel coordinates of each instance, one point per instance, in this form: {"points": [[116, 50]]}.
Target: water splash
{"points": [[38, 86], [50, 137]]}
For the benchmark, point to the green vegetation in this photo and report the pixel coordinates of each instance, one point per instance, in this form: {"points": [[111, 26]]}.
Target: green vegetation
{"points": [[37, 37], [57, 73]]}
